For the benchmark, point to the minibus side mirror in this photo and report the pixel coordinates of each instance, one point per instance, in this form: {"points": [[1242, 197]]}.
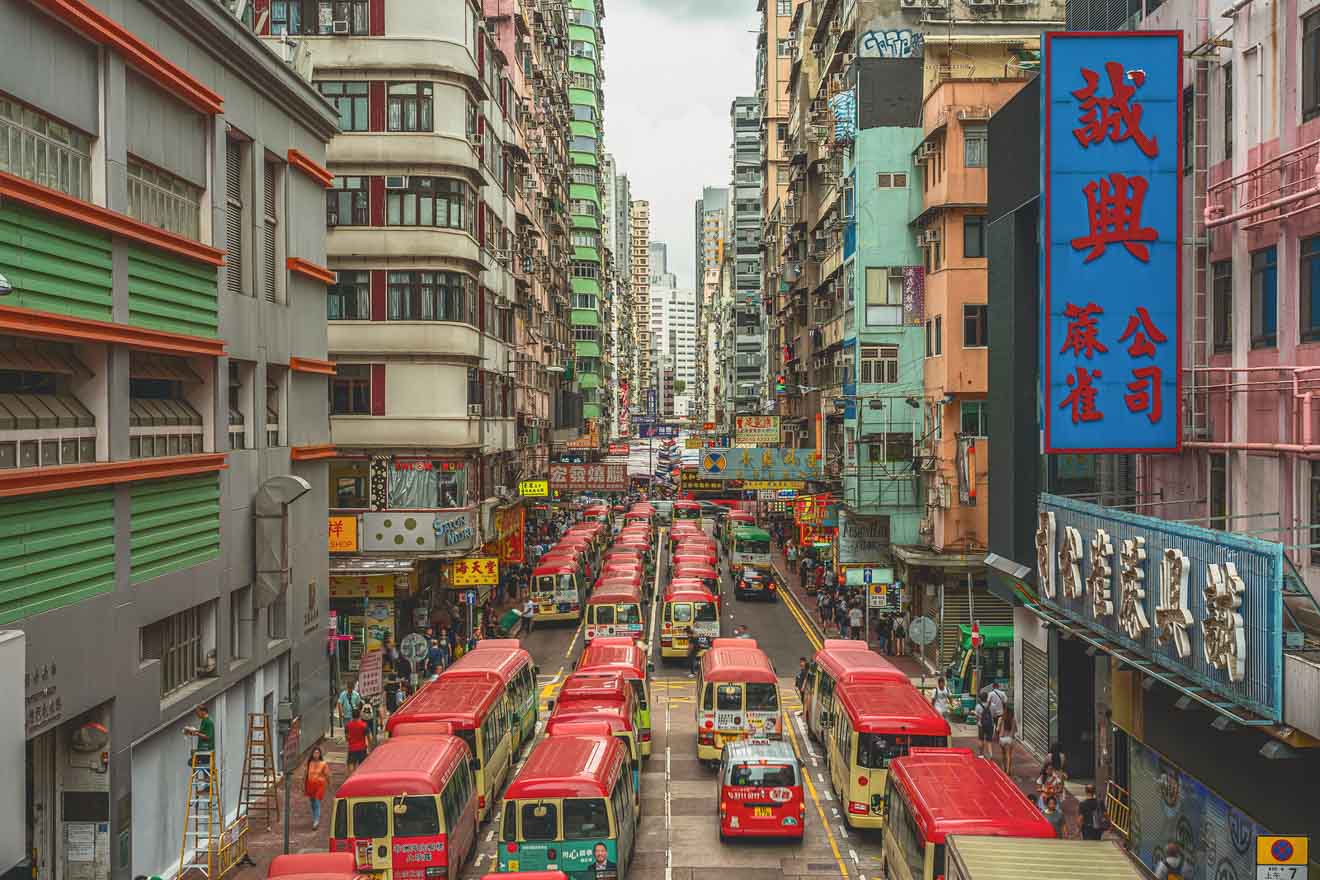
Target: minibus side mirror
{"points": [[474, 764]]}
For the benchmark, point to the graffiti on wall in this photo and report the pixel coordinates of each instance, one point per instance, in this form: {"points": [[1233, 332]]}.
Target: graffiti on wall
{"points": [[891, 43]]}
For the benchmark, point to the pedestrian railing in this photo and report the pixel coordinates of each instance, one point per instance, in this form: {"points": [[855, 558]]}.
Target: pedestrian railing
{"points": [[1118, 809]]}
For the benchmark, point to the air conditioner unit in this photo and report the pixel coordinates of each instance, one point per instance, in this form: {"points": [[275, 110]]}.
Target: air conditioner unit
{"points": [[475, 139], [341, 27], [930, 236], [474, 410], [396, 182]]}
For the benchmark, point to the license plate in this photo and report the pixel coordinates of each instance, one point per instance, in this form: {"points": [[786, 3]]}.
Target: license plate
{"points": [[762, 812]]}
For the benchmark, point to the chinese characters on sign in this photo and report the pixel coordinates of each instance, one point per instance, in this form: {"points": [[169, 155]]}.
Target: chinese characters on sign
{"points": [[589, 477], [482, 571], [1112, 182], [759, 463], [343, 533], [1202, 603], [756, 431]]}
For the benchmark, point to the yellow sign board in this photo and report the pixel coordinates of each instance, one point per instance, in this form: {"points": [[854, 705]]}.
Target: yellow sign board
{"points": [[362, 586], [774, 484], [692, 442], [343, 534], [534, 488], [1282, 850], [481, 571]]}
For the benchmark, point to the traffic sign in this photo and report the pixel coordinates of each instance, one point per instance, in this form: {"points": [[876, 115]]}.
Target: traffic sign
{"points": [[414, 647], [868, 575], [470, 597], [1281, 858], [922, 631]]}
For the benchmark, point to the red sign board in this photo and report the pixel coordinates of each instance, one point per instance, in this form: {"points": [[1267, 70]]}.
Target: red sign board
{"points": [[589, 477], [618, 449]]}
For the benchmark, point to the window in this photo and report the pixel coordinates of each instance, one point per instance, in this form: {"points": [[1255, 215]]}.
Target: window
{"points": [[371, 819], [1310, 280], [285, 17], [1229, 121], [972, 419], [879, 365], [783, 7], [728, 697], [349, 478], [160, 199], [336, 16], [935, 336], [36, 147], [973, 235], [347, 202], [183, 643], [242, 624], [418, 819], [781, 131], [1219, 491], [586, 817], [784, 48], [239, 402], [428, 201], [431, 296], [234, 215], [891, 180], [162, 419], [349, 298], [276, 379], [975, 143], [884, 296], [273, 259], [1221, 280], [892, 446], [583, 174], [350, 100], [762, 697], [974, 326], [350, 392], [1311, 64], [876, 750], [1264, 298], [409, 107], [540, 821]]}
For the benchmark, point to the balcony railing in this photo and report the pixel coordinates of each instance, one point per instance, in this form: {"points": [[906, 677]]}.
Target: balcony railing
{"points": [[1274, 190]]}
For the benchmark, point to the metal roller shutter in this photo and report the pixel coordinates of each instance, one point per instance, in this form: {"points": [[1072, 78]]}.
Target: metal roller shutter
{"points": [[1034, 714]]}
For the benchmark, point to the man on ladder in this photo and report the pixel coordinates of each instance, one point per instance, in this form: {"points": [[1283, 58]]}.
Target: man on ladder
{"points": [[204, 748]]}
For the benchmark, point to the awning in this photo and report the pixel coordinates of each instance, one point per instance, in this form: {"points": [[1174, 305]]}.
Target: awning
{"points": [[146, 412], [585, 318], [949, 561], [370, 565], [33, 356], [20, 412]]}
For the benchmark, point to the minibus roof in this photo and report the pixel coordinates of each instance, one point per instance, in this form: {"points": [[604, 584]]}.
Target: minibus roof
{"points": [[408, 764], [569, 766]]}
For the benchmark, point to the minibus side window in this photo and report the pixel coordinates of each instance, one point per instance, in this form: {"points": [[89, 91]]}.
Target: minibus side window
{"points": [[371, 819], [706, 697], [419, 817], [509, 827], [621, 802], [729, 697], [585, 817], [470, 737], [640, 690], [826, 687], [340, 831], [540, 821], [762, 697]]}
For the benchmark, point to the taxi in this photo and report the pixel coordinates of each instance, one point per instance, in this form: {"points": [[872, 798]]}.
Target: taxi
{"points": [[761, 791]]}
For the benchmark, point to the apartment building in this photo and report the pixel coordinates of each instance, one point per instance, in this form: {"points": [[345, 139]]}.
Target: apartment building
{"points": [[709, 217], [163, 388], [746, 195], [619, 351], [639, 239]]}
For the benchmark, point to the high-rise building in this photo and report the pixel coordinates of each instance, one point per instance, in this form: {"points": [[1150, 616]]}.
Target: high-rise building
{"points": [[750, 339], [639, 239], [709, 218], [620, 243], [163, 367]]}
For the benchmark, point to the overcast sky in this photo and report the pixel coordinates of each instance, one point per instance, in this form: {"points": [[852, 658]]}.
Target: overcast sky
{"points": [[672, 68]]}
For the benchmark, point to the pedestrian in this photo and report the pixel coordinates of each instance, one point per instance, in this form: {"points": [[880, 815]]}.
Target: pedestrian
{"points": [[203, 750], [403, 668], [1171, 864], [528, 615], [939, 699], [1049, 783], [316, 777], [801, 678], [823, 607], [997, 700], [1006, 730], [985, 729], [855, 621], [900, 635], [1053, 815], [819, 572], [841, 616], [349, 700], [433, 658], [368, 715], [741, 632], [1094, 820], [1058, 758], [355, 736], [882, 633]]}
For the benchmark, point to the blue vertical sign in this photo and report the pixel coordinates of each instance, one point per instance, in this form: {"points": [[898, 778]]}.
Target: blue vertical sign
{"points": [[1112, 181]]}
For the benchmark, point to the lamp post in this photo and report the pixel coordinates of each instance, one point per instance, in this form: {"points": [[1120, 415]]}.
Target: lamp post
{"points": [[283, 725]]}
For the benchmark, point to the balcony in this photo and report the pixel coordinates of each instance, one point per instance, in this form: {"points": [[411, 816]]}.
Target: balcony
{"points": [[1274, 190], [366, 246], [417, 152]]}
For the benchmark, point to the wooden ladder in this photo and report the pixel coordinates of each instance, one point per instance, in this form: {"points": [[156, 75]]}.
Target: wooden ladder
{"points": [[257, 798]]}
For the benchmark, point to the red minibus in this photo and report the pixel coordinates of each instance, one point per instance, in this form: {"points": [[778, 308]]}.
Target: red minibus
{"points": [[707, 574], [410, 810], [933, 793], [690, 553], [622, 655], [507, 660], [761, 791], [313, 866], [614, 610], [838, 661], [558, 588], [688, 610], [737, 696]]}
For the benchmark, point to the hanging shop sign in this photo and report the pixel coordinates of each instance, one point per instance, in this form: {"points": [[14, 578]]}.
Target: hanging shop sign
{"points": [[1112, 179], [759, 463], [589, 477], [789, 486], [691, 481], [482, 570], [645, 431], [750, 431], [455, 530], [534, 489], [343, 534], [1205, 604], [510, 530], [589, 440], [368, 586], [863, 538], [617, 449], [419, 531]]}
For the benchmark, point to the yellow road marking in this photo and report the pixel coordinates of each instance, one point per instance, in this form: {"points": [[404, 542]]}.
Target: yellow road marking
{"points": [[815, 799], [799, 614], [548, 690]]}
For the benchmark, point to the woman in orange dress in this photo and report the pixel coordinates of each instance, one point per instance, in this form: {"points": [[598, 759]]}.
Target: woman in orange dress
{"points": [[315, 780]]}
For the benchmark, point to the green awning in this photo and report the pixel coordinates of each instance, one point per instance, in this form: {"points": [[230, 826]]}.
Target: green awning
{"points": [[577, 157], [588, 380], [591, 410], [585, 285], [583, 33], [589, 5], [585, 318], [582, 65], [585, 348], [585, 97], [578, 128], [586, 255], [582, 221], [584, 191]]}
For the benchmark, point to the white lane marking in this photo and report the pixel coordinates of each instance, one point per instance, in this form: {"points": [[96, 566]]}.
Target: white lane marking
{"points": [[806, 740], [655, 593], [853, 853], [829, 795], [835, 811], [669, 842], [843, 831], [481, 857]]}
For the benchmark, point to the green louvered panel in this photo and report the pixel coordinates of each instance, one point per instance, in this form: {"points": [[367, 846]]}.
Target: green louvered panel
{"points": [[55, 550], [175, 524], [166, 293], [54, 265]]}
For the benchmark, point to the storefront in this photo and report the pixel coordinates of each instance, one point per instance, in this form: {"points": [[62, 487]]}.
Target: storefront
{"points": [[371, 598], [950, 588]]}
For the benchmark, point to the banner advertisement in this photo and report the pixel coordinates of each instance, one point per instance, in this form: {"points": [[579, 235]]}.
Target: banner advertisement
{"points": [[589, 477], [750, 431]]}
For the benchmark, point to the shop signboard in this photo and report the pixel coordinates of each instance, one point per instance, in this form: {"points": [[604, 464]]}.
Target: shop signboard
{"points": [[475, 572], [617, 449], [759, 463], [510, 529], [589, 440], [688, 481], [589, 477], [534, 489], [692, 442], [371, 674], [419, 531], [367, 586], [751, 431], [1112, 173], [1204, 604], [343, 534], [862, 538], [792, 487], [659, 431]]}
